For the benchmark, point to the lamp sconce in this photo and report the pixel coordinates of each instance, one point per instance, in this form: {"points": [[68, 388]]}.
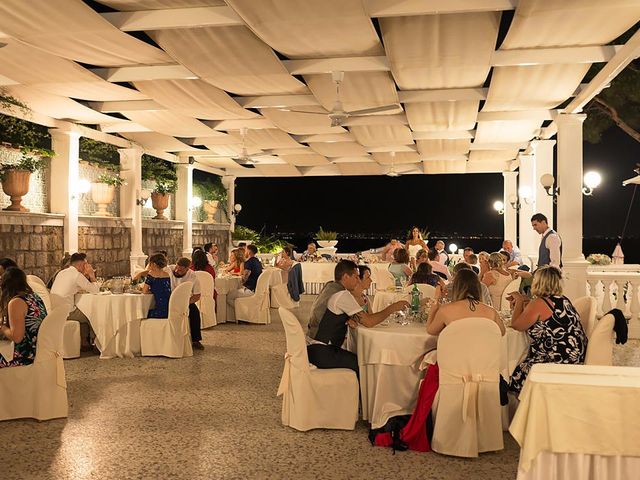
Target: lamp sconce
{"points": [[498, 206], [547, 181], [144, 196], [83, 186], [591, 181], [236, 210]]}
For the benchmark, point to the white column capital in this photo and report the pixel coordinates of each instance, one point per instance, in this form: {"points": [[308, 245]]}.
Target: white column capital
{"points": [[64, 132], [228, 180], [130, 158], [510, 174], [570, 119]]}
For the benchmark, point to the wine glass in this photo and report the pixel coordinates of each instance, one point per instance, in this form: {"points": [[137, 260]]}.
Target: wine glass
{"points": [[403, 282]]}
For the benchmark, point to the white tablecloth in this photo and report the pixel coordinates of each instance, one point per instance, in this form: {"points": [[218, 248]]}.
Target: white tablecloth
{"points": [[515, 345], [111, 316], [383, 299], [316, 274], [223, 286], [389, 357], [572, 417]]}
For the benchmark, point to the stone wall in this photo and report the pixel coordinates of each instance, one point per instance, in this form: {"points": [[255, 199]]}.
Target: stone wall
{"points": [[107, 243], [162, 235], [86, 205], [37, 200], [215, 233], [34, 241]]}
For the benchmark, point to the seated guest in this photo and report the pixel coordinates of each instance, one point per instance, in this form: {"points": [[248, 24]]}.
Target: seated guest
{"points": [[400, 266], [485, 296], [252, 270], [466, 253], [310, 253], [359, 292], [389, 250], [505, 256], [64, 263], [425, 275], [285, 262], [196, 249], [78, 277], [342, 309], [179, 273], [158, 283], [21, 313], [211, 249], [465, 303], [515, 258], [236, 262], [551, 322], [473, 263], [437, 267], [243, 246], [200, 263], [483, 260], [6, 263], [443, 256], [497, 278], [421, 257]]}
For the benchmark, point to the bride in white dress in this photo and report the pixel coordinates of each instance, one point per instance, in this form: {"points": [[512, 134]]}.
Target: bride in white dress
{"points": [[415, 242]]}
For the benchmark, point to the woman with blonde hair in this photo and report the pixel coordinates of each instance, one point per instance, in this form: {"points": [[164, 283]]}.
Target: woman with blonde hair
{"points": [[497, 278], [236, 265], [552, 323], [466, 302]]}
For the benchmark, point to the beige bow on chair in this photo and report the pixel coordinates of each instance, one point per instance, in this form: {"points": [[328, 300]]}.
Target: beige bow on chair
{"points": [[285, 382]]}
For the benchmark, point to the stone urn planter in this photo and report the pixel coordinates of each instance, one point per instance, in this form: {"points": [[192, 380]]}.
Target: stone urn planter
{"points": [[160, 202], [327, 243], [102, 195], [210, 208], [16, 185]]}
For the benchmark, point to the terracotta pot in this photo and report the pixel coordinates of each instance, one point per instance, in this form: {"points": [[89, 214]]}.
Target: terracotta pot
{"points": [[16, 185], [211, 207], [102, 195], [160, 202]]}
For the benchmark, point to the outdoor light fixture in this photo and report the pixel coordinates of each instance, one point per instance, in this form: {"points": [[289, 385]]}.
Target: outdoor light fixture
{"points": [[196, 202], [591, 181], [524, 194], [236, 209], [547, 181], [144, 198], [84, 186], [514, 202], [453, 248], [498, 206]]}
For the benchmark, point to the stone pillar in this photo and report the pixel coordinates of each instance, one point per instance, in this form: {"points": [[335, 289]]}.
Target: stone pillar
{"points": [[183, 206], [570, 203], [544, 164], [229, 183], [131, 171], [510, 213], [65, 173], [529, 240]]}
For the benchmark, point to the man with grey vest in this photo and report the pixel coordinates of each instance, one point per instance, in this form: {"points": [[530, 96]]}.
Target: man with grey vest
{"points": [[550, 251], [334, 310]]}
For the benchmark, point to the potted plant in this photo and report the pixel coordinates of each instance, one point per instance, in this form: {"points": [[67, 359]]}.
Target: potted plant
{"points": [[103, 191], [15, 176], [326, 238], [166, 180], [213, 195]]}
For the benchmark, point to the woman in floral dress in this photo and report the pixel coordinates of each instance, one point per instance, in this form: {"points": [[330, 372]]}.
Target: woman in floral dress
{"points": [[22, 312], [552, 324]]}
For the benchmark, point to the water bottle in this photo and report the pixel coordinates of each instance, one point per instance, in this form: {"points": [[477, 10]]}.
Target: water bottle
{"points": [[415, 300]]}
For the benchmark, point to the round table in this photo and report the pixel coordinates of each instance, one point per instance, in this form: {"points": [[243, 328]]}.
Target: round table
{"points": [[115, 319], [316, 274], [389, 357], [384, 298], [225, 284]]}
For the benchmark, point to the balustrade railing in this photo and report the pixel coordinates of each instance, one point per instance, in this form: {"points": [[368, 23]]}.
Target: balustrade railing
{"points": [[617, 289]]}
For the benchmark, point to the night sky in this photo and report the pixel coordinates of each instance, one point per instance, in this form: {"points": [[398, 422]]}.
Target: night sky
{"points": [[443, 203]]}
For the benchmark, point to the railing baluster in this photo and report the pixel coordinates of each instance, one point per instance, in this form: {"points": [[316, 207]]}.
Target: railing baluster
{"points": [[606, 298], [620, 304], [593, 292]]}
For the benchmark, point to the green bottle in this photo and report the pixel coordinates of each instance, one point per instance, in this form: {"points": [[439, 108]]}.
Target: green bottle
{"points": [[415, 299]]}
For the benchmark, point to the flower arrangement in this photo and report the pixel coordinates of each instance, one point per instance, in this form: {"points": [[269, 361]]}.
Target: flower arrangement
{"points": [[599, 259], [326, 235], [33, 159], [110, 179]]}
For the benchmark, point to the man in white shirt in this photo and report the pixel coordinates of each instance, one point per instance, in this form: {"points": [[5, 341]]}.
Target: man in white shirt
{"points": [[437, 267], [80, 276], [515, 258], [443, 256], [550, 251], [211, 249], [179, 273], [326, 338]]}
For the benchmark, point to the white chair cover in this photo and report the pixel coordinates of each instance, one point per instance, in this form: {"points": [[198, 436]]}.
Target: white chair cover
{"points": [[587, 310], [468, 418], [428, 291], [385, 280], [71, 334], [313, 397], [280, 297], [255, 309], [38, 390], [206, 305], [512, 286], [600, 345], [169, 337]]}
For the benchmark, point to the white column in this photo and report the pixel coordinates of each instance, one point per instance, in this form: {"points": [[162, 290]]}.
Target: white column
{"points": [[229, 183], [183, 206], [65, 173], [131, 171], [570, 202], [510, 213], [529, 240], [543, 150]]}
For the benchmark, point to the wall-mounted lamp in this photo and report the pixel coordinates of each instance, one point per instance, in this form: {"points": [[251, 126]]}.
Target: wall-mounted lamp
{"points": [[236, 209], [144, 198], [498, 206], [591, 181], [83, 186], [524, 196], [196, 202], [547, 182]]}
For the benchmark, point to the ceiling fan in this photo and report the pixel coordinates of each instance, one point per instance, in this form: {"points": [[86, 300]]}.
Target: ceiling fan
{"points": [[338, 115], [392, 171], [244, 159]]}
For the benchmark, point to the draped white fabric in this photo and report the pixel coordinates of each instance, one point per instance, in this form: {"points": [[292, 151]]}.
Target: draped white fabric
{"points": [[158, 141], [135, 5], [301, 123]]}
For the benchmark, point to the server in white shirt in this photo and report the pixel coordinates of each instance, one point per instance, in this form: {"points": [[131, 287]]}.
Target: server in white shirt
{"points": [[550, 251], [179, 273], [211, 249], [80, 276]]}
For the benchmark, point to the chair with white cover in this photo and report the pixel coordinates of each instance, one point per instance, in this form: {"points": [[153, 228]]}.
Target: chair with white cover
{"points": [[38, 390], [280, 297], [512, 286], [428, 291], [600, 345], [255, 308], [169, 337], [385, 279], [587, 310], [314, 397], [71, 336], [468, 419], [206, 305]]}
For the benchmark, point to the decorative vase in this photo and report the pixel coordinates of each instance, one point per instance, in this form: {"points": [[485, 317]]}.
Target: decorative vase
{"points": [[16, 185], [160, 202], [327, 243], [210, 208], [102, 195]]}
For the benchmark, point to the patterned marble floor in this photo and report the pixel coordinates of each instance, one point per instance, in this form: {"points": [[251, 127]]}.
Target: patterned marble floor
{"points": [[213, 416]]}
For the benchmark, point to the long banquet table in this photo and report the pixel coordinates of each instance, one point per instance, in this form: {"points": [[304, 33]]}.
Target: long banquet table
{"points": [[316, 274]]}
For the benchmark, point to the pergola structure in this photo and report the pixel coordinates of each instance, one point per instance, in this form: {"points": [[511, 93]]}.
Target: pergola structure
{"points": [[470, 86]]}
